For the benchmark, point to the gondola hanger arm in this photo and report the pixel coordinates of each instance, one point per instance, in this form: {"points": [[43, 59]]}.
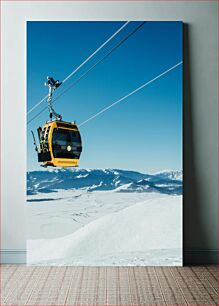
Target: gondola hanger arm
{"points": [[53, 85]]}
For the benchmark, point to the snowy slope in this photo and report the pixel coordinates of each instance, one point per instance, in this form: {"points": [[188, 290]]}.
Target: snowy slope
{"points": [[57, 214], [103, 179], [146, 233]]}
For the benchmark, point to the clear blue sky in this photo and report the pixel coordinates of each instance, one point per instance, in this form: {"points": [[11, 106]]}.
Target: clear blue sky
{"points": [[141, 133]]}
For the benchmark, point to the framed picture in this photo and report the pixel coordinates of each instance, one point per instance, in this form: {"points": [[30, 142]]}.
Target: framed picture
{"points": [[104, 143]]}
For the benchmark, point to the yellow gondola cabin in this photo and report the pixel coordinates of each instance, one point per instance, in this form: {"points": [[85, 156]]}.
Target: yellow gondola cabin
{"points": [[59, 141], [60, 144]]}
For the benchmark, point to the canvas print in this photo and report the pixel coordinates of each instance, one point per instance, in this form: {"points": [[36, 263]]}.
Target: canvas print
{"points": [[104, 143]]}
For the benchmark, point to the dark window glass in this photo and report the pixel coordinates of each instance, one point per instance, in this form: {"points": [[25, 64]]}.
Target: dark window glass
{"points": [[66, 144]]}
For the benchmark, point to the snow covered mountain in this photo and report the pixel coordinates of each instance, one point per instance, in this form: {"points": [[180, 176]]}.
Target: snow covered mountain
{"points": [[173, 175], [166, 182]]}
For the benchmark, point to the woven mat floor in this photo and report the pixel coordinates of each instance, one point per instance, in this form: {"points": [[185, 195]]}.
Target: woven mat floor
{"points": [[124, 286]]}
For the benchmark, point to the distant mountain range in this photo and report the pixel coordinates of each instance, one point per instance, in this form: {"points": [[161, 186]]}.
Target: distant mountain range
{"points": [[167, 182]]}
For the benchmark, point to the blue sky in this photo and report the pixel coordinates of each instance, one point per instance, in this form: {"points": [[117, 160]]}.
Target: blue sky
{"points": [[141, 133]]}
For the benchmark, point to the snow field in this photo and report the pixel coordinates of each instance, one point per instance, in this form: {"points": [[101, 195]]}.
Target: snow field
{"points": [[109, 229]]}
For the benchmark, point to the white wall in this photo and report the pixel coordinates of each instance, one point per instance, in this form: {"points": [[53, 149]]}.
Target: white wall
{"points": [[200, 106]]}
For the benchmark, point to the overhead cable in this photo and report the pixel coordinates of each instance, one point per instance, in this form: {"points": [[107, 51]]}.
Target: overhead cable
{"points": [[130, 94], [83, 63], [89, 70]]}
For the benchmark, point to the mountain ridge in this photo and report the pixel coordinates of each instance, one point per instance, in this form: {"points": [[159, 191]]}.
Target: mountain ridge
{"points": [[103, 180]]}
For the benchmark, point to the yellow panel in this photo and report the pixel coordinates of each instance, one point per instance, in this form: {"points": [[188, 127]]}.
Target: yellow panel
{"points": [[59, 162]]}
